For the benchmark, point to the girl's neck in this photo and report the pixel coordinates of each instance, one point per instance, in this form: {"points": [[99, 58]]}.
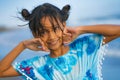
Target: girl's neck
{"points": [[59, 52]]}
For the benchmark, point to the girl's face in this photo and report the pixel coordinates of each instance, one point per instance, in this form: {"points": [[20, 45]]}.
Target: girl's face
{"points": [[52, 35]]}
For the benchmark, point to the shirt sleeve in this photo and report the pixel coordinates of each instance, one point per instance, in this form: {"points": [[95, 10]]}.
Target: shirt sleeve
{"points": [[93, 43], [26, 68]]}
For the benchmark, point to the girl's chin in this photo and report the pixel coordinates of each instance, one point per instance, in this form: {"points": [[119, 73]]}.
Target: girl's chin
{"points": [[55, 47]]}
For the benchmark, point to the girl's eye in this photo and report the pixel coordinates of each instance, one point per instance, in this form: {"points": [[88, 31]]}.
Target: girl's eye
{"points": [[56, 28], [43, 33]]}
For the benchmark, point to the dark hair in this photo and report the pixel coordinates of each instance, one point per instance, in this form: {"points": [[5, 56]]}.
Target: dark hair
{"points": [[44, 10]]}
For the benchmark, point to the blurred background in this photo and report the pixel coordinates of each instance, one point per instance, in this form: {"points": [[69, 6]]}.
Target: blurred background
{"points": [[83, 12]]}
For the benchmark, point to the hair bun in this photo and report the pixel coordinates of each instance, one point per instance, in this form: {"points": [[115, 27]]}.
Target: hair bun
{"points": [[25, 14], [66, 8], [65, 12]]}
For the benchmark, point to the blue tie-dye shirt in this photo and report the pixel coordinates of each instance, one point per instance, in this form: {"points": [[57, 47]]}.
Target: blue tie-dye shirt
{"points": [[81, 62]]}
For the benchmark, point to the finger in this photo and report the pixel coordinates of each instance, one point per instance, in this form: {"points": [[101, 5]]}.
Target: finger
{"points": [[65, 32], [70, 30], [36, 41], [69, 34], [35, 48], [37, 44], [66, 42], [42, 44], [38, 48], [66, 39], [41, 48], [39, 41], [47, 50]]}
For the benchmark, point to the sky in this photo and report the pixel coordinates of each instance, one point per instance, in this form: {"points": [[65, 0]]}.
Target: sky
{"points": [[81, 10]]}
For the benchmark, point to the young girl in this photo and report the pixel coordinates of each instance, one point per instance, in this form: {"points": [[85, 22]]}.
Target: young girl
{"points": [[69, 58]]}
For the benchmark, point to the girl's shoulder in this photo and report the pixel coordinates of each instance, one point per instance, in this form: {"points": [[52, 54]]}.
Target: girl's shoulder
{"points": [[88, 43]]}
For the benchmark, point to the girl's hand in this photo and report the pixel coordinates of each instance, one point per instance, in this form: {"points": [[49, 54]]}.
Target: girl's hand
{"points": [[70, 33], [35, 44]]}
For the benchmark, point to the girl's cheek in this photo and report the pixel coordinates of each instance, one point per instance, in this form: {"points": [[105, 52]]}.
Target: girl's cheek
{"points": [[59, 34]]}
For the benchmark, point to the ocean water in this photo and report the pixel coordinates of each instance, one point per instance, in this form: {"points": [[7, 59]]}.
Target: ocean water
{"points": [[9, 39]]}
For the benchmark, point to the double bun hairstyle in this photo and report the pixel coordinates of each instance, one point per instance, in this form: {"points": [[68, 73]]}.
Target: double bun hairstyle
{"points": [[41, 11]]}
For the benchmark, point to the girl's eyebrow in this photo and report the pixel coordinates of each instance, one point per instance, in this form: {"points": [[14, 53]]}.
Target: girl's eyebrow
{"points": [[49, 27]]}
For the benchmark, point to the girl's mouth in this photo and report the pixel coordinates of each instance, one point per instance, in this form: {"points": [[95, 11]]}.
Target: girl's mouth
{"points": [[53, 42]]}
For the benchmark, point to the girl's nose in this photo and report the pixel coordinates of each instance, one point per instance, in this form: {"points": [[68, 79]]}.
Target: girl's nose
{"points": [[52, 35]]}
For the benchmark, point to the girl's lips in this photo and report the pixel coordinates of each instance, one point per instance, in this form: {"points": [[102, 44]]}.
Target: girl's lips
{"points": [[53, 43]]}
